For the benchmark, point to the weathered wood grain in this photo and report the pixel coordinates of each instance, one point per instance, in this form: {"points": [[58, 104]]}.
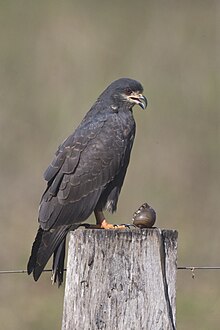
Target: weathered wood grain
{"points": [[121, 279]]}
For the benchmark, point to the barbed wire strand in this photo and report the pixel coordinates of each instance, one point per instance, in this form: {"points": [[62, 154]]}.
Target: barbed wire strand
{"points": [[191, 268], [22, 271], [198, 267]]}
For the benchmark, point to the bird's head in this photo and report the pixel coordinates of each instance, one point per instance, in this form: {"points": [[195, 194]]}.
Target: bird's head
{"points": [[126, 92]]}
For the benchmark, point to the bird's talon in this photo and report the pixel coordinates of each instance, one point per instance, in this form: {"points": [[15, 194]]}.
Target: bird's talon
{"points": [[127, 225], [85, 225]]}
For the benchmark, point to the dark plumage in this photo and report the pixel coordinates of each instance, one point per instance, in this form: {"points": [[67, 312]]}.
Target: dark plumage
{"points": [[87, 173]]}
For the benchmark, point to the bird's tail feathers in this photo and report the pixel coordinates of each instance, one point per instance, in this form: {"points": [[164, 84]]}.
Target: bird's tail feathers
{"points": [[34, 251], [58, 263], [46, 243]]}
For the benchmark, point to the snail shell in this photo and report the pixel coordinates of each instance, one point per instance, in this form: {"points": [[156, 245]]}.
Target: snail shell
{"points": [[144, 217]]}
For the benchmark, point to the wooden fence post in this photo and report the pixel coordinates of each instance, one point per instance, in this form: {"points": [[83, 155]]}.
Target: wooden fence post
{"points": [[121, 279]]}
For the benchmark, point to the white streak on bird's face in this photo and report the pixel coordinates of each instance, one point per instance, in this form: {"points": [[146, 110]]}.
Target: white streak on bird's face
{"points": [[136, 98]]}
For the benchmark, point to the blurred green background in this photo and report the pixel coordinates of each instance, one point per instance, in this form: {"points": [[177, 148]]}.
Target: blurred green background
{"points": [[55, 59]]}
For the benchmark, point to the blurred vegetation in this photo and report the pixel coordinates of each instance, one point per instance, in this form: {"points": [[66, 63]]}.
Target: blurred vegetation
{"points": [[55, 59]]}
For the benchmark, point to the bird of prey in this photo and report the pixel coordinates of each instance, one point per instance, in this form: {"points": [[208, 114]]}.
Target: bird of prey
{"points": [[86, 174]]}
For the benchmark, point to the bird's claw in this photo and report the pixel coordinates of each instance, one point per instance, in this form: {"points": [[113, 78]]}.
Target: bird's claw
{"points": [[128, 225], [107, 226], [87, 225], [124, 225]]}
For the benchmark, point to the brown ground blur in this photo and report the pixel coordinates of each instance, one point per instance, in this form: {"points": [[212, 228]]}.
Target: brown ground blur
{"points": [[55, 59]]}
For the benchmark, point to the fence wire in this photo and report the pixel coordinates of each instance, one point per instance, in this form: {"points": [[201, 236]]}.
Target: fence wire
{"points": [[191, 268]]}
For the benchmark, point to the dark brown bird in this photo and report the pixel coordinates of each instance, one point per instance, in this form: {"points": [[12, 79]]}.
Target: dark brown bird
{"points": [[86, 174]]}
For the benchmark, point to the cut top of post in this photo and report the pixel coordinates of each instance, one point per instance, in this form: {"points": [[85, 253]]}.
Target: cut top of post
{"points": [[121, 279]]}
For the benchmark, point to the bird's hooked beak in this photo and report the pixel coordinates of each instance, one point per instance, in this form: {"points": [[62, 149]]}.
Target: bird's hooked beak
{"points": [[138, 99]]}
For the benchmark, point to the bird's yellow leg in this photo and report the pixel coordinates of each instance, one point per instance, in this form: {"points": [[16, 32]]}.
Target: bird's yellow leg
{"points": [[101, 222], [105, 225]]}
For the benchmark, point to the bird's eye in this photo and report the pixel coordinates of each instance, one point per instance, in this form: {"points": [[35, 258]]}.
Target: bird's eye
{"points": [[128, 91]]}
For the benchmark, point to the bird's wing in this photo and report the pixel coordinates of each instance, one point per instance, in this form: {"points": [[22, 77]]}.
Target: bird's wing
{"points": [[85, 163]]}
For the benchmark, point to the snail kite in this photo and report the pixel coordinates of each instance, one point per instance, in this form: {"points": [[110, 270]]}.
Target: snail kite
{"points": [[86, 174]]}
